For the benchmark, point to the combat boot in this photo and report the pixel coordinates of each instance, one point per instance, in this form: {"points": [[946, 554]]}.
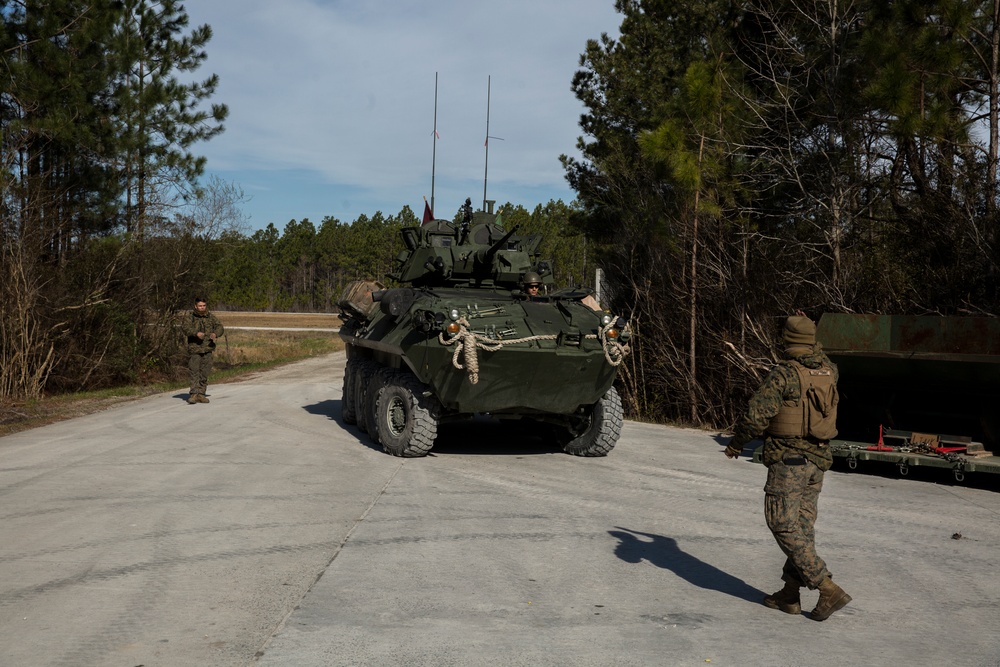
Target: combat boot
{"points": [[192, 399], [831, 598], [786, 600], [202, 398]]}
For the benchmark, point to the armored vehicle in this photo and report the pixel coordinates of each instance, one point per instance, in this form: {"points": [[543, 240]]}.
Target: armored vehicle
{"points": [[460, 338]]}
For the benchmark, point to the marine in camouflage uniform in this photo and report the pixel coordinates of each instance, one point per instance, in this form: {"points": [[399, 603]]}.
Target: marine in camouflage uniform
{"points": [[795, 468], [202, 328]]}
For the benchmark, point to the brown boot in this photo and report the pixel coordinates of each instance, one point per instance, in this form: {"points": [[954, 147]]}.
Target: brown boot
{"points": [[192, 399], [202, 398], [786, 600], [831, 598]]}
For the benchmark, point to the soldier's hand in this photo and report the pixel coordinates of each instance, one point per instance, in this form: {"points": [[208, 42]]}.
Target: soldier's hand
{"points": [[733, 452]]}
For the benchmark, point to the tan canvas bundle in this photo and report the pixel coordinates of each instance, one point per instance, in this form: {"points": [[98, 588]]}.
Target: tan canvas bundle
{"points": [[815, 413], [357, 298]]}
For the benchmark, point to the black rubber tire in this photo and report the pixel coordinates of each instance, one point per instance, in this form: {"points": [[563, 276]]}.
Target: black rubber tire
{"points": [[367, 411], [348, 412], [362, 378], [601, 434], [405, 418]]}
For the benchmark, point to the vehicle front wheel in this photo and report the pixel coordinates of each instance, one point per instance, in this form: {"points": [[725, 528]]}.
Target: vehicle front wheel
{"points": [[597, 432], [406, 419], [363, 373], [347, 412]]}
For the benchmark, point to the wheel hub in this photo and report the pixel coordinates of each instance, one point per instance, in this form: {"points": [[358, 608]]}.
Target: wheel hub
{"points": [[397, 416]]}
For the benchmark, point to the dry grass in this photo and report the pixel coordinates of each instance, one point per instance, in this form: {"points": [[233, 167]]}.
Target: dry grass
{"points": [[249, 347], [239, 353], [290, 320]]}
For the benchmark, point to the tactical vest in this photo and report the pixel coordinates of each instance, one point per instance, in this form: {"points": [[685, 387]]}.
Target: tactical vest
{"points": [[815, 413]]}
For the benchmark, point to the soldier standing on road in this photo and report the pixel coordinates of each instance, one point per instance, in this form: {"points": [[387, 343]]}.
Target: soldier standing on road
{"points": [[202, 330], [795, 409]]}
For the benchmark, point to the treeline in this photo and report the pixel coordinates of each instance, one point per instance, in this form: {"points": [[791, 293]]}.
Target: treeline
{"points": [[101, 222], [305, 268], [746, 159]]}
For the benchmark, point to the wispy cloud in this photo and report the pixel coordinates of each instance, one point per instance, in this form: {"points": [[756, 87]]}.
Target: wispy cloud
{"points": [[344, 92]]}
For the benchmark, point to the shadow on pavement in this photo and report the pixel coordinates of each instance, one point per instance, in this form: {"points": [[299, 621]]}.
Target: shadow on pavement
{"points": [[663, 552], [332, 410], [494, 437], [479, 435], [329, 409], [929, 474]]}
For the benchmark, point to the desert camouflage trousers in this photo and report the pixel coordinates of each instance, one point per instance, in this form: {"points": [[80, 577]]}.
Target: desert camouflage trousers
{"points": [[791, 498]]}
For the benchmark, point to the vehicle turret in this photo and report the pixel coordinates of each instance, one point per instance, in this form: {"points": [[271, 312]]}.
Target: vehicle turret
{"points": [[476, 252]]}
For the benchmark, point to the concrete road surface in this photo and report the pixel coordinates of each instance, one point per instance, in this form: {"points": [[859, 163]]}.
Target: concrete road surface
{"points": [[259, 529]]}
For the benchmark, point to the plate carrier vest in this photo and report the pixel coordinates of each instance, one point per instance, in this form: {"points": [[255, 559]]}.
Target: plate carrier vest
{"points": [[815, 413]]}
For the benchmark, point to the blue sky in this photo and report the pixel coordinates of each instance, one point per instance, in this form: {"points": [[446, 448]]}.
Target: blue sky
{"points": [[332, 102]]}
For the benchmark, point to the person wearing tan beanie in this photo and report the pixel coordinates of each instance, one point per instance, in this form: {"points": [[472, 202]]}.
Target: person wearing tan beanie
{"points": [[795, 409]]}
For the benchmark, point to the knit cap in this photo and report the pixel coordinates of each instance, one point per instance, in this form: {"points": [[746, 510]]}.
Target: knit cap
{"points": [[799, 330]]}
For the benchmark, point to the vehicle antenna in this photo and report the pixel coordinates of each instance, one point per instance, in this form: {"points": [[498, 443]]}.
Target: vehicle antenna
{"points": [[486, 171], [488, 137], [434, 149]]}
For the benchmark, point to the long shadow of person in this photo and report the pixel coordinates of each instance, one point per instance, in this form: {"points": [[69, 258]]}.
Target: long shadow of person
{"points": [[663, 552]]}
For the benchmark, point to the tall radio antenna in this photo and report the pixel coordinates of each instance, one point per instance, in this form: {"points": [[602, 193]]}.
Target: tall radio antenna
{"points": [[487, 144], [434, 150], [488, 137]]}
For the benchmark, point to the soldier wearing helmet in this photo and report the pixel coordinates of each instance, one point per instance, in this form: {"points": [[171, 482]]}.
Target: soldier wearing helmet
{"points": [[531, 283]]}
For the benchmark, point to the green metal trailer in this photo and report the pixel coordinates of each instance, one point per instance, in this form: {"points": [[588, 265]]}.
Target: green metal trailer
{"points": [[916, 391]]}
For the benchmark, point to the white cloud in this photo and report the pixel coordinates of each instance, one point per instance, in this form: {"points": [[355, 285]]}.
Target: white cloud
{"points": [[346, 90]]}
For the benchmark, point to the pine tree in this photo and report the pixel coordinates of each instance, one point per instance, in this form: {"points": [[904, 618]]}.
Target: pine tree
{"points": [[158, 118]]}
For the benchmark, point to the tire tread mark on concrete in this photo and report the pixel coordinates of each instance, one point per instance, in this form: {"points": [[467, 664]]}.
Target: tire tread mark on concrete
{"points": [[336, 552], [138, 612], [17, 594], [117, 540]]}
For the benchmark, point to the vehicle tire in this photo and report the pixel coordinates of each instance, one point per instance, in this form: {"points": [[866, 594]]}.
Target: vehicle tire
{"points": [[405, 418], [362, 378], [348, 413], [598, 434], [366, 413]]}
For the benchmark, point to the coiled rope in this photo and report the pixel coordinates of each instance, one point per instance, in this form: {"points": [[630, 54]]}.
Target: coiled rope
{"points": [[466, 343]]}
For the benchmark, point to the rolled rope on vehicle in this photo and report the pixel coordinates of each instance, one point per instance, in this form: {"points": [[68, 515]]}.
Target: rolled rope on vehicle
{"points": [[467, 341], [614, 351]]}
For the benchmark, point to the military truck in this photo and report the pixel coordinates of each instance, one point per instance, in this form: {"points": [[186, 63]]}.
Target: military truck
{"points": [[458, 337]]}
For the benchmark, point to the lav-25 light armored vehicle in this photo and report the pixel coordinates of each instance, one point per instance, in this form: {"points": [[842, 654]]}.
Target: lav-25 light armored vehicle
{"points": [[461, 339]]}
